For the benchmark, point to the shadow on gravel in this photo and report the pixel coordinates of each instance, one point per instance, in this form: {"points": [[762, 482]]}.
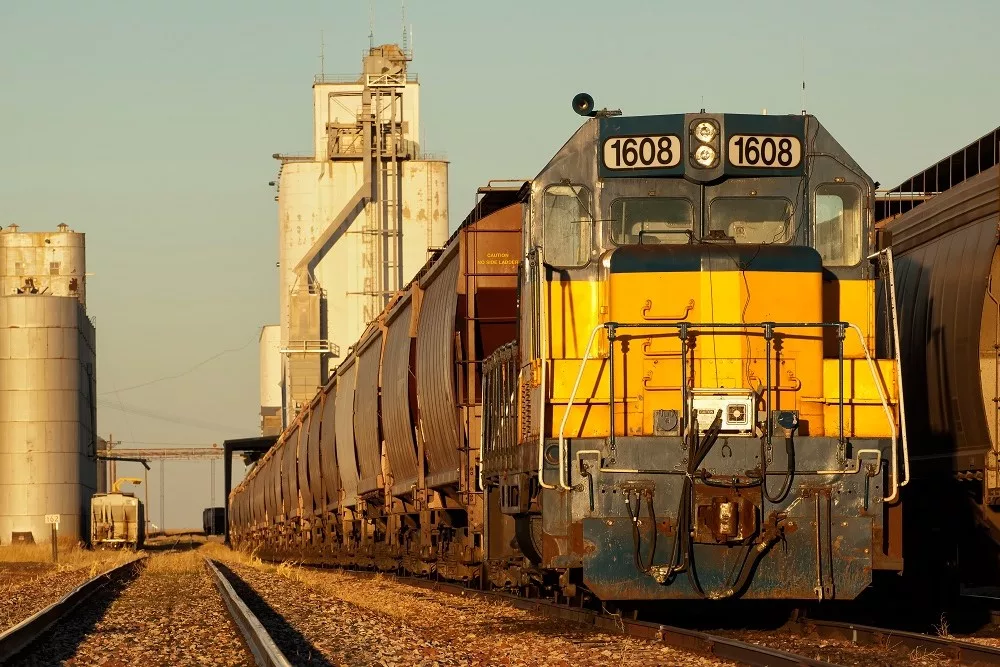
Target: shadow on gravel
{"points": [[292, 643], [60, 643]]}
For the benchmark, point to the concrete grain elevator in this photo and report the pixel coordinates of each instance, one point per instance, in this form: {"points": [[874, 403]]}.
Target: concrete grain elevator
{"points": [[47, 386], [357, 218]]}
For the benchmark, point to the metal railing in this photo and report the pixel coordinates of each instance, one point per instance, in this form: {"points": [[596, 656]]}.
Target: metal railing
{"points": [[684, 331]]}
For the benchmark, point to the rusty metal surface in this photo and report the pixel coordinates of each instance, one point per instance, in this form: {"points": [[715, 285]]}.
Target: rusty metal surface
{"points": [[314, 468], [302, 463], [289, 470], [366, 411], [347, 462], [436, 368], [328, 450], [397, 422], [943, 252]]}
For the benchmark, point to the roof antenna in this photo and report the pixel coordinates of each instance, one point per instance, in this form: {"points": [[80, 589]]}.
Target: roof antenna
{"points": [[371, 24], [322, 56], [403, 12], [803, 79]]}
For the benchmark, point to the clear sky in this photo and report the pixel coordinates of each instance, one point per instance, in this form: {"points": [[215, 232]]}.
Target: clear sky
{"points": [[150, 126]]}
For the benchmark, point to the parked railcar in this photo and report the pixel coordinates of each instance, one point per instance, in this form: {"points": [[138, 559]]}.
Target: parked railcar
{"points": [[631, 377], [213, 520], [947, 282], [117, 520]]}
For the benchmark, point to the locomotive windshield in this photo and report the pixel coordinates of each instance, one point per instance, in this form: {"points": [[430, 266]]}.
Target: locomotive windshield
{"points": [[636, 220], [752, 219]]}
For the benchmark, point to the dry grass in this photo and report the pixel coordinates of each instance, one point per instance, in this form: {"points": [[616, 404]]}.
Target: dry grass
{"points": [[72, 558]]}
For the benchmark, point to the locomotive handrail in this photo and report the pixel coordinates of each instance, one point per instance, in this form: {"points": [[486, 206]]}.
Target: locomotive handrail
{"points": [[543, 353], [899, 368], [685, 327]]}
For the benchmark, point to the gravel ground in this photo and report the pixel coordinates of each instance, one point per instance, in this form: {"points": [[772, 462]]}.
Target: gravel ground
{"points": [[171, 614], [842, 652], [331, 618], [27, 588]]}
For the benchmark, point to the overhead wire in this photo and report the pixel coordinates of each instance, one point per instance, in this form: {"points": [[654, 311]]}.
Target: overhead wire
{"points": [[161, 416], [186, 372]]}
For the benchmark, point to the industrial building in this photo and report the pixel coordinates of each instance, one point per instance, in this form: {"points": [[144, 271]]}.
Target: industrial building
{"points": [[48, 386], [357, 217]]}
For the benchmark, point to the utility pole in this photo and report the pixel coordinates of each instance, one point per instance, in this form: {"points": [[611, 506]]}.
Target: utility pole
{"points": [[163, 497], [211, 484], [109, 466]]}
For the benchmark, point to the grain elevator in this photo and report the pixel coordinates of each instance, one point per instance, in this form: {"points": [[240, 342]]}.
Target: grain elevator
{"points": [[47, 386], [357, 217]]}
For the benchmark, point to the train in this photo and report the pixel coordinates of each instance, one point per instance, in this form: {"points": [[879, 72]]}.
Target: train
{"points": [[652, 372], [947, 286], [117, 520], [213, 520]]}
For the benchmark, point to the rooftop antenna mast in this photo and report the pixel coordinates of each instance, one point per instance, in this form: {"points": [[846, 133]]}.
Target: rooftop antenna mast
{"points": [[322, 55], [803, 79], [403, 12], [371, 24]]}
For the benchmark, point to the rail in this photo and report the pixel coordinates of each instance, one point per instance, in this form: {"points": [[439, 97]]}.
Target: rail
{"points": [[16, 639], [703, 643], [265, 652], [965, 652], [684, 329]]}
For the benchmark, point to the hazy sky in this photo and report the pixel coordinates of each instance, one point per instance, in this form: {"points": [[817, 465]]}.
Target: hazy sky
{"points": [[150, 126]]}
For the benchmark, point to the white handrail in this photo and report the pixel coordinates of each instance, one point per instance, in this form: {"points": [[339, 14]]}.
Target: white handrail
{"points": [[542, 353], [563, 462], [563, 482]]}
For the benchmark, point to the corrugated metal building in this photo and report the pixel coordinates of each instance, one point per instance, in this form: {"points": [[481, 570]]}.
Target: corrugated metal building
{"points": [[47, 386]]}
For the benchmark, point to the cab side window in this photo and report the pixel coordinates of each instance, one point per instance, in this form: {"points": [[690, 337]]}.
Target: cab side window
{"points": [[567, 225], [837, 226]]}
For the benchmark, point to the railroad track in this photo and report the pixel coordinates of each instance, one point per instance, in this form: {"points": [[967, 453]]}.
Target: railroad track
{"points": [[959, 650], [86, 626], [15, 640], [265, 652], [693, 641]]}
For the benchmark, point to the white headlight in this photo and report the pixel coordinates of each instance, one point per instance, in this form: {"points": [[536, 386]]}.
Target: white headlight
{"points": [[705, 156], [704, 131]]}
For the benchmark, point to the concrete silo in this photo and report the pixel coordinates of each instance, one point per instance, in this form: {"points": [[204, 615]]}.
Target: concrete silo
{"points": [[47, 386], [357, 218]]}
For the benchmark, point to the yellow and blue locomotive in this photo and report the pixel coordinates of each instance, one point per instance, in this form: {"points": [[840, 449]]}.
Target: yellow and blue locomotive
{"points": [[695, 379]]}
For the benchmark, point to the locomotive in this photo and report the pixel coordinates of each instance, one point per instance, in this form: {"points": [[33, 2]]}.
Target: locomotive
{"points": [[650, 372]]}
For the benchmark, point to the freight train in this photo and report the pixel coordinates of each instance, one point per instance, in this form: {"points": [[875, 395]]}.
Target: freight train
{"points": [[117, 520], [947, 282], [649, 373]]}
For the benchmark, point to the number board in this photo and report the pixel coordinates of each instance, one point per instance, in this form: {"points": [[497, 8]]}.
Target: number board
{"points": [[642, 152], [640, 146], [52, 518], [764, 151]]}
